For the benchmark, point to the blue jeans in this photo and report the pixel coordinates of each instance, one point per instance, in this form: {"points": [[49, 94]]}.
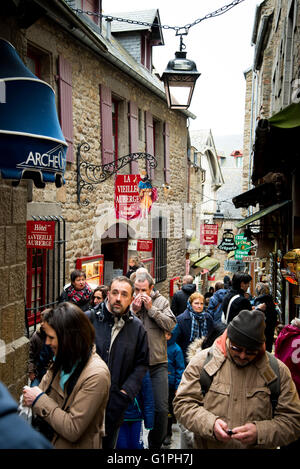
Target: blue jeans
{"points": [[160, 387]]}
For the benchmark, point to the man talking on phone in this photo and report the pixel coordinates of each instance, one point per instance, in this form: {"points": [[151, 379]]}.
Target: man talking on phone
{"points": [[239, 408], [155, 313]]}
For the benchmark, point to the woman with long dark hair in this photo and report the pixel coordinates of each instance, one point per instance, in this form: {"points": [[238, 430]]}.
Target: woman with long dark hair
{"points": [[71, 398]]}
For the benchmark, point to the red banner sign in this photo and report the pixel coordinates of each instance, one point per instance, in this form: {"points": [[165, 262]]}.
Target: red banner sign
{"points": [[134, 196], [127, 200], [144, 245], [40, 234], [208, 234]]}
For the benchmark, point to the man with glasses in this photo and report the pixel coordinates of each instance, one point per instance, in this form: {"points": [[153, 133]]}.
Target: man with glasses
{"points": [[236, 411]]}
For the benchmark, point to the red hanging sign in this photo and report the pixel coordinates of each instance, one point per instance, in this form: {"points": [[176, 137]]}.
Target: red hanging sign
{"points": [[209, 234], [134, 196], [40, 234], [144, 245]]}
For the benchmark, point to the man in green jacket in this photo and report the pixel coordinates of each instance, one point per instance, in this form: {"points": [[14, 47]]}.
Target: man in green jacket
{"points": [[236, 411]]}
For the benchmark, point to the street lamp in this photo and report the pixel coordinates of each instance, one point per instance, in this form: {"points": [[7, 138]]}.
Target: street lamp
{"points": [[179, 79]]}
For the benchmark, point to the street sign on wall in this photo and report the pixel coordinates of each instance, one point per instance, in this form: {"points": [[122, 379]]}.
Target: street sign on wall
{"points": [[145, 245], [40, 234]]}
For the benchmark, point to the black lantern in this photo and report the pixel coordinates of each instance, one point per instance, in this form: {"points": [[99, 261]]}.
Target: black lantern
{"points": [[180, 78]]}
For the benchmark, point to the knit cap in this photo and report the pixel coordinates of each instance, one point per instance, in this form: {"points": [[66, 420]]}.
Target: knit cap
{"points": [[247, 329]]}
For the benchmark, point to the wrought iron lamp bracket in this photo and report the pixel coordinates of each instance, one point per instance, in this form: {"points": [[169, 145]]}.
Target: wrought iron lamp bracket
{"points": [[89, 175]]}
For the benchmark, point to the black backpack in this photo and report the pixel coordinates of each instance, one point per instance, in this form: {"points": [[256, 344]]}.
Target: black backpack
{"points": [[206, 379]]}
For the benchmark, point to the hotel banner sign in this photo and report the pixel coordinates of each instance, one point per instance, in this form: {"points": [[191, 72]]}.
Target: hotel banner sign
{"points": [[40, 234]]}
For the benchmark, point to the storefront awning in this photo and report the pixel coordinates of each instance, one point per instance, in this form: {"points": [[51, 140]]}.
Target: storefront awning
{"points": [[255, 196], [288, 118], [208, 263], [32, 145], [262, 213]]}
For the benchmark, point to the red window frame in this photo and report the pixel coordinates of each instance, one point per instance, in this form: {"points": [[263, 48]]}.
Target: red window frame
{"points": [[30, 287], [36, 58]]}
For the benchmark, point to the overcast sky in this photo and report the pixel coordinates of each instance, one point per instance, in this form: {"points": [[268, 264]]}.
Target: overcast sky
{"points": [[221, 48]]}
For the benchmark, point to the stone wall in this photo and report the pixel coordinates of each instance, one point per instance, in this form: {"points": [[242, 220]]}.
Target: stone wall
{"points": [[87, 75], [13, 343]]}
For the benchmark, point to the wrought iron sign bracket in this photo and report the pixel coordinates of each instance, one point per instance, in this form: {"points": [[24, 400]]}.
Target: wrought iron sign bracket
{"points": [[89, 175]]}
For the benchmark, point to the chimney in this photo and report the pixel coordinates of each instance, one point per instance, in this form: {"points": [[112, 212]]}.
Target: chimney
{"points": [[108, 28]]}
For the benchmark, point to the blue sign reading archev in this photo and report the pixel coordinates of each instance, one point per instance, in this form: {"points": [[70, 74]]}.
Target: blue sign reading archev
{"points": [[32, 144]]}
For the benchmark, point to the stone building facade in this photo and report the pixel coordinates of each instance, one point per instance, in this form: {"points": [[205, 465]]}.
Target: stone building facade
{"points": [[94, 60], [270, 146]]}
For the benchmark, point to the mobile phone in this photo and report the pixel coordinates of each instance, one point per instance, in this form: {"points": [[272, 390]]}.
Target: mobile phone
{"points": [[229, 432]]}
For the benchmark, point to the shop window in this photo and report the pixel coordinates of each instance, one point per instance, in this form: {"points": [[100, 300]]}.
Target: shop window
{"points": [[93, 268]]}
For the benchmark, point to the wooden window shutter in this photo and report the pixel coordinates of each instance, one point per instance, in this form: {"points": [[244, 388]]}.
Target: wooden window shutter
{"points": [[149, 141], [133, 134], [167, 153], [106, 125], [65, 103]]}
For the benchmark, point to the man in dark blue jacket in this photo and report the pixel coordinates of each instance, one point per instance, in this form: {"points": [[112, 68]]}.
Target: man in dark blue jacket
{"points": [[121, 341], [180, 298], [15, 433]]}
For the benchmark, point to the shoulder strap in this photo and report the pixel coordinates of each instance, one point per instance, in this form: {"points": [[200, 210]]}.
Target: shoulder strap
{"points": [[275, 385], [229, 306], [205, 378]]}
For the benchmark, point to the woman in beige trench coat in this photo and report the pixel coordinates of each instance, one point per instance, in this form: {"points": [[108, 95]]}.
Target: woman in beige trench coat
{"points": [[76, 417]]}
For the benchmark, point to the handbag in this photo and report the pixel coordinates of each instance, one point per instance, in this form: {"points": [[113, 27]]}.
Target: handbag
{"points": [[24, 411]]}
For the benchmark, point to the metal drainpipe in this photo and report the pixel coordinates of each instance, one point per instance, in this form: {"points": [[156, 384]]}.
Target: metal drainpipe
{"points": [[252, 123]]}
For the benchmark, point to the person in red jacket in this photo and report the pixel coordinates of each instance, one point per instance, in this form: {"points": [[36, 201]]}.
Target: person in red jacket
{"points": [[287, 349]]}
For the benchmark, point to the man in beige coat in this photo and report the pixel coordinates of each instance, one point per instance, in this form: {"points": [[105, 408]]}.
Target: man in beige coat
{"points": [[236, 411], [154, 311]]}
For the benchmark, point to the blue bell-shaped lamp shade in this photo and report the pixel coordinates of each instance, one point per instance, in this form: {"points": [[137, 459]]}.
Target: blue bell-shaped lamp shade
{"points": [[32, 145]]}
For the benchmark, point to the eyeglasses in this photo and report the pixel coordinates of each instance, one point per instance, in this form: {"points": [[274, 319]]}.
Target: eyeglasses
{"points": [[237, 349]]}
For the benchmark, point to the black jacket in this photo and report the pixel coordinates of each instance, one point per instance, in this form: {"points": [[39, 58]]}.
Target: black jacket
{"points": [[127, 360], [238, 304], [271, 318], [180, 298]]}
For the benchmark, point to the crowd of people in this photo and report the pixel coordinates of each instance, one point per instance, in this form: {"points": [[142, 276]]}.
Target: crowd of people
{"points": [[108, 363]]}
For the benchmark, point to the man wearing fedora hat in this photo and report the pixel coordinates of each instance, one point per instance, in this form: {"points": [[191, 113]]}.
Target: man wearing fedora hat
{"points": [[236, 411]]}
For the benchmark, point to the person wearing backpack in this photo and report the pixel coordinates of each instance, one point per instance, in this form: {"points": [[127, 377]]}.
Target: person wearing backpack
{"points": [[234, 301], [239, 408]]}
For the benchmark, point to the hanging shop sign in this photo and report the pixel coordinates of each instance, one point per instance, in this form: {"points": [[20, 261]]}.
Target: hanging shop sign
{"points": [[227, 244], [32, 145], [134, 196], [243, 246], [40, 234], [209, 234], [234, 266]]}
